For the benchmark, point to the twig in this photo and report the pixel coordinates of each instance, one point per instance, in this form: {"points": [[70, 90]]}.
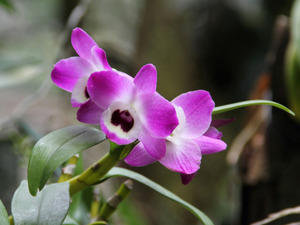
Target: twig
{"points": [[275, 216]]}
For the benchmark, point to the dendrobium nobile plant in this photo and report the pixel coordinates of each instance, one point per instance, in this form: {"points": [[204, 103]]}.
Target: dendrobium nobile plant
{"points": [[140, 124]]}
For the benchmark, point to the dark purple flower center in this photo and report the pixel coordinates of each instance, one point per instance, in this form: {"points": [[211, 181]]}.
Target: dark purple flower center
{"points": [[87, 95], [122, 118]]}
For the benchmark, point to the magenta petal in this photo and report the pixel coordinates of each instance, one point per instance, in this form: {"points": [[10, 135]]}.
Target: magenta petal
{"points": [[66, 72], [157, 114], [89, 113], [106, 87], [184, 156], [139, 156], [212, 132], [210, 145], [197, 107], [187, 178], [222, 122], [146, 79], [155, 147], [82, 43], [99, 59]]}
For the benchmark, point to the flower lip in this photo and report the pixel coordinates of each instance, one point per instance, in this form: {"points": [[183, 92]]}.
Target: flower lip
{"points": [[123, 118], [121, 123]]}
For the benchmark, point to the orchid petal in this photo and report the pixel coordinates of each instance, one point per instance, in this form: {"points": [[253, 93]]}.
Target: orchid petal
{"points": [[139, 156], [146, 79], [211, 142], [99, 59], [157, 114], [89, 113], [197, 107], [155, 147], [82, 43], [116, 132], [79, 93], [222, 122], [184, 156], [106, 87], [212, 132], [187, 178], [66, 72]]}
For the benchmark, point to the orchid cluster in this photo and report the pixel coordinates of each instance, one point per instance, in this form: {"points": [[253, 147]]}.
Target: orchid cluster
{"points": [[175, 133]]}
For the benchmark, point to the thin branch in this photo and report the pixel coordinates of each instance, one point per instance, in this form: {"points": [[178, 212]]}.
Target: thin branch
{"points": [[275, 216]]}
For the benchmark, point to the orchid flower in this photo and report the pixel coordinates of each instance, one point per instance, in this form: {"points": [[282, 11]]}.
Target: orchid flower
{"points": [[132, 109], [71, 74], [191, 139], [209, 146]]}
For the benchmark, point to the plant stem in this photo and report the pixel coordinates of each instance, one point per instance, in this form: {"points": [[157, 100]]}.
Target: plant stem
{"points": [[112, 203], [95, 172]]}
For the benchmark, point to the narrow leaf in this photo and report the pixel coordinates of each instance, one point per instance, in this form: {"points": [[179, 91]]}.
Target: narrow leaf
{"points": [[55, 148], [229, 107], [114, 172], [3, 215], [50, 206]]}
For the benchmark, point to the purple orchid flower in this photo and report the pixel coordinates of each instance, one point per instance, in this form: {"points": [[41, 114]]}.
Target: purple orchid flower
{"points": [[71, 74], [132, 109], [207, 145], [191, 139]]}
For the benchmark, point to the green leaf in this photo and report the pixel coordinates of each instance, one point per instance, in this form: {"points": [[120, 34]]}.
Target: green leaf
{"points": [[50, 206], [229, 107], [55, 148], [116, 171], [3, 215], [70, 221]]}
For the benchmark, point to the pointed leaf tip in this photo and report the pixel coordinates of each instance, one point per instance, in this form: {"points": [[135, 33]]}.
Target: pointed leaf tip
{"points": [[229, 107]]}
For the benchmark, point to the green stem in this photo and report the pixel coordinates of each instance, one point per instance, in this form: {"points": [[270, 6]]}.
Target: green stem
{"points": [[112, 203], [95, 172]]}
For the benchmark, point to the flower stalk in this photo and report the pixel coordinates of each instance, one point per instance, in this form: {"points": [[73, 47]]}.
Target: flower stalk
{"points": [[95, 172]]}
